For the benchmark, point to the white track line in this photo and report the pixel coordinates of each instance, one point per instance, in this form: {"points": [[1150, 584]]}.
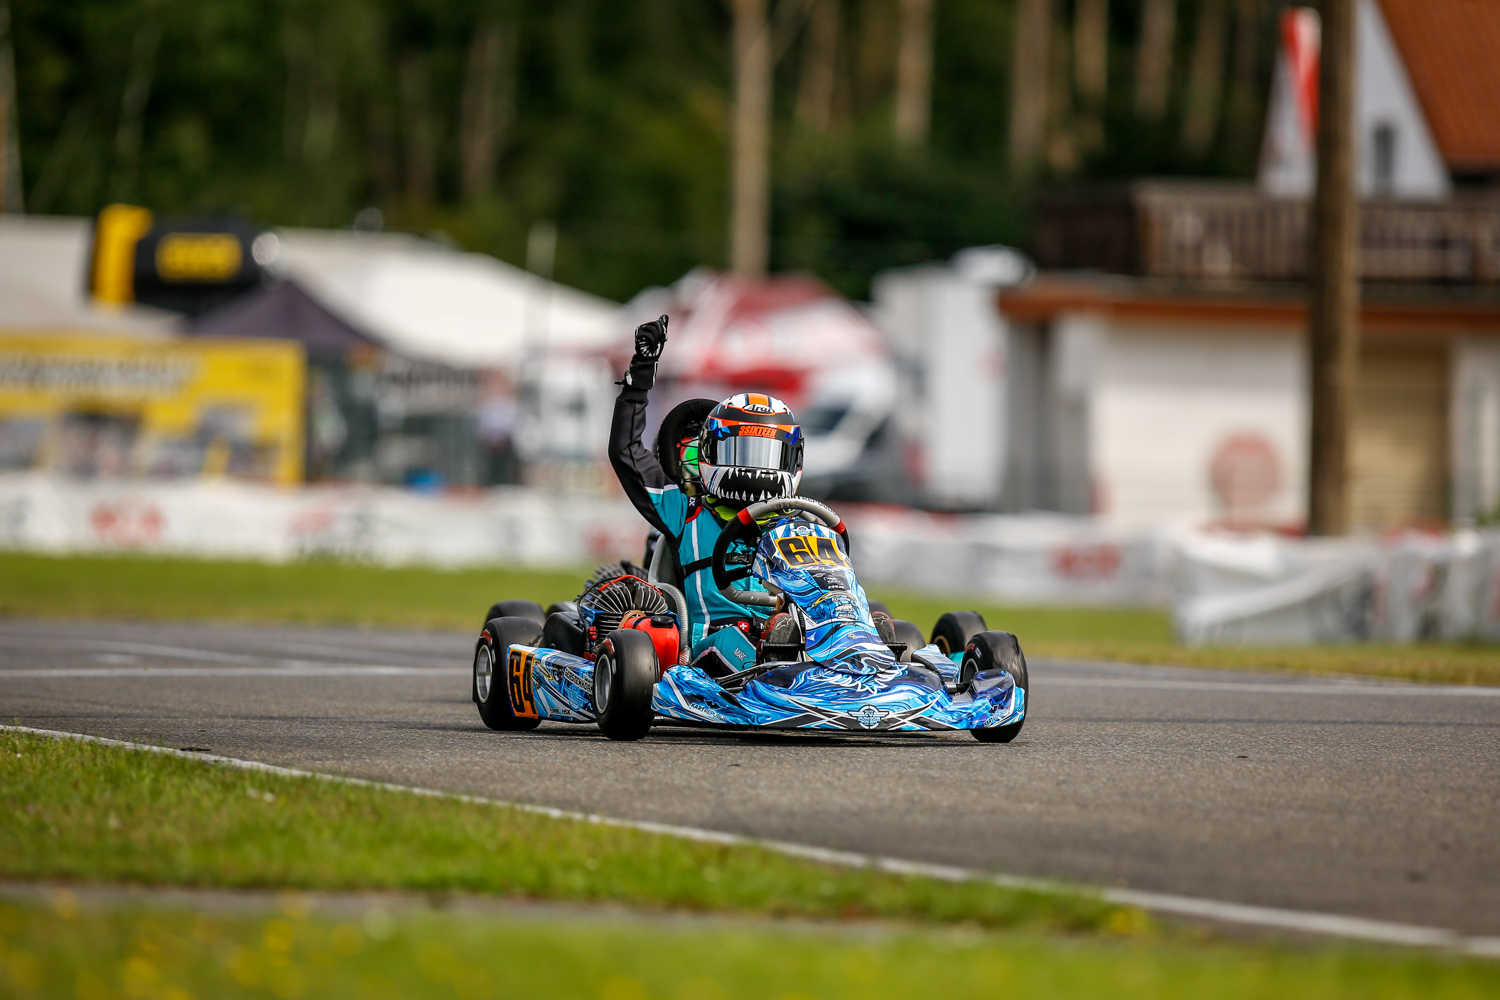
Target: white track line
{"points": [[1309, 922], [304, 669], [1399, 690]]}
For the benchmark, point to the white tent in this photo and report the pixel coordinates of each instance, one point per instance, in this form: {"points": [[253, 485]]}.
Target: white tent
{"points": [[430, 302], [43, 279]]}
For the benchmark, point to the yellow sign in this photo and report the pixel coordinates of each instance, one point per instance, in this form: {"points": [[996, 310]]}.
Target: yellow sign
{"points": [[198, 257], [118, 230], [86, 404]]}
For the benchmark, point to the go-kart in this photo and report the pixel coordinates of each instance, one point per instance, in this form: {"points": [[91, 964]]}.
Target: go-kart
{"points": [[619, 655]]}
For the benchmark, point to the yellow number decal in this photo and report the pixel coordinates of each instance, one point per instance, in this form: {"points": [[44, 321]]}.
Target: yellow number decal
{"points": [[521, 702], [811, 550]]}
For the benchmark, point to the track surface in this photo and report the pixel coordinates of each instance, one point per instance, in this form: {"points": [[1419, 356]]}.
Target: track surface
{"points": [[1364, 799]]}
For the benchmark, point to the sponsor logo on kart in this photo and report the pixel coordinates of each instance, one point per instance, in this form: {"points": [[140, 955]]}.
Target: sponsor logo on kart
{"points": [[869, 716], [521, 701]]}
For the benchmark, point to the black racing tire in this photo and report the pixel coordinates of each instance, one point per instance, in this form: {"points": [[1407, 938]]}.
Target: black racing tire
{"points": [[495, 690], [908, 633], [625, 673], [987, 653], [517, 609], [954, 630], [880, 607], [569, 608]]}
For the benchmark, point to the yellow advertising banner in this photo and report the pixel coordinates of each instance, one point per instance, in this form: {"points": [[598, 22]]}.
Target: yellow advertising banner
{"points": [[91, 405]]}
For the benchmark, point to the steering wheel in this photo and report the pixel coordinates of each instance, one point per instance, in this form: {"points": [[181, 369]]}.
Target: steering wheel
{"points": [[744, 527]]}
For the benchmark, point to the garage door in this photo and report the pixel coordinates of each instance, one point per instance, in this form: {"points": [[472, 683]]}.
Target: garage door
{"points": [[1400, 445]]}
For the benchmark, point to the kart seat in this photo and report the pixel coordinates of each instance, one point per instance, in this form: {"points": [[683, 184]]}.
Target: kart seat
{"points": [[561, 632]]}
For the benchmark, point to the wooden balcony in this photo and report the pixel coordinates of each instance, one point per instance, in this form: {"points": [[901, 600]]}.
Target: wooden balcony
{"points": [[1232, 232]]}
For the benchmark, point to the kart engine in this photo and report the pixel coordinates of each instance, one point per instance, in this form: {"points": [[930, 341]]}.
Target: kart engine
{"points": [[603, 606]]}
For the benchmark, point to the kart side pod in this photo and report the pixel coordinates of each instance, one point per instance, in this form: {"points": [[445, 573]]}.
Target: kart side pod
{"points": [[663, 632]]}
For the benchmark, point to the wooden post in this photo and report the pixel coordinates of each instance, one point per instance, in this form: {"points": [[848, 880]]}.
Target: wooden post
{"points": [[914, 72], [1028, 91], [749, 239], [1333, 301]]}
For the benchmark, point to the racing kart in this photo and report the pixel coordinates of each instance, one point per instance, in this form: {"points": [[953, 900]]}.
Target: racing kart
{"points": [[619, 655]]}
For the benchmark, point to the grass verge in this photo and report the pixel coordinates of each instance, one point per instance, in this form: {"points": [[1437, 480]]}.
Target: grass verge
{"points": [[64, 950], [96, 813], [344, 593]]}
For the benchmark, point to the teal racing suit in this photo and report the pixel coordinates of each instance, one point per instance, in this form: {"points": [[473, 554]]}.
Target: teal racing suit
{"points": [[688, 524]]}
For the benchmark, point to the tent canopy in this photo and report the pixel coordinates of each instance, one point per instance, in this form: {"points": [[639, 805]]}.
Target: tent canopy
{"points": [[428, 302], [283, 311]]}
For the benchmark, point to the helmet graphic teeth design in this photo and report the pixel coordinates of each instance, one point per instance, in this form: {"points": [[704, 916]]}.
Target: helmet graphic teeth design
{"points": [[751, 450]]}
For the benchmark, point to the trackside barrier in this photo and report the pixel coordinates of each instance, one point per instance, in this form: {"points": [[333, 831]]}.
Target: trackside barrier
{"points": [[1222, 588]]}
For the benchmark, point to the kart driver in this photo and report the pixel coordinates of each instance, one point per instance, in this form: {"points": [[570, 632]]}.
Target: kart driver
{"points": [[749, 450]]}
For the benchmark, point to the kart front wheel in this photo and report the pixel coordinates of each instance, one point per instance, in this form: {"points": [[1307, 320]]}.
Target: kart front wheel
{"points": [[625, 673], [496, 691], [988, 654]]}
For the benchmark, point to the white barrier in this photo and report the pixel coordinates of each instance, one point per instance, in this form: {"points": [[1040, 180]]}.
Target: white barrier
{"points": [[1288, 591], [1029, 558], [376, 524], [1223, 588]]}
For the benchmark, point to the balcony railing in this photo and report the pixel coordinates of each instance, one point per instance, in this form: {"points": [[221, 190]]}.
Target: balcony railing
{"points": [[1233, 232]]}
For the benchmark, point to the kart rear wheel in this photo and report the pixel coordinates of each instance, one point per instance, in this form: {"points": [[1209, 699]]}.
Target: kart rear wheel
{"points": [[492, 680], [625, 675], [911, 635], [987, 653], [517, 609], [953, 631]]}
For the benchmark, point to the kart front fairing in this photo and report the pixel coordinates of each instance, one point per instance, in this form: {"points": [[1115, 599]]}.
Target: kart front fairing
{"points": [[850, 678]]}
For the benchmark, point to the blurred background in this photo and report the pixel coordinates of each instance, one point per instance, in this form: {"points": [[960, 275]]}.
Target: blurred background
{"points": [[355, 278]]}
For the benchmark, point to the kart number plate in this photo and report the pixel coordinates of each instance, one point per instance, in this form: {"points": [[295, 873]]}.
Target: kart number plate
{"points": [[521, 700], [811, 550]]}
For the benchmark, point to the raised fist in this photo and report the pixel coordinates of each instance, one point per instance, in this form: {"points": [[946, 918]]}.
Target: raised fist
{"points": [[650, 338]]}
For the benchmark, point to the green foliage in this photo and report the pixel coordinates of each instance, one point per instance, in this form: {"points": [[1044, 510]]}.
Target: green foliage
{"points": [[300, 948], [610, 117]]}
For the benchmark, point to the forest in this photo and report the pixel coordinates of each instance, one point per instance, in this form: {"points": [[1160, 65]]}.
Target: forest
{"points": [[901, 130]]}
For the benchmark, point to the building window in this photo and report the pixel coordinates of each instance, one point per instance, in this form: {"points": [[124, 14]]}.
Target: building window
{"points": [[1383, 157]]}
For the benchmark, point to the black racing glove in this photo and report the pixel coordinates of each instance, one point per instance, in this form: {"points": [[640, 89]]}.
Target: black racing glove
{"points": [[650, 338]]}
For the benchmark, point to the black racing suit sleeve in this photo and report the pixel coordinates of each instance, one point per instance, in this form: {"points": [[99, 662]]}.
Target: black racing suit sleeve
{"points": [[634, 465]]}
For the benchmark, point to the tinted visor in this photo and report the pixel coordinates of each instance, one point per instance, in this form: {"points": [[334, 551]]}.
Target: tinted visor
{"points": [[750, 452]]}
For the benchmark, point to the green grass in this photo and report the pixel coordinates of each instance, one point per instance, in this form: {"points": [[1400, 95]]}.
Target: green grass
{"points": [[344, 593], [94, 953], [95, 813]]}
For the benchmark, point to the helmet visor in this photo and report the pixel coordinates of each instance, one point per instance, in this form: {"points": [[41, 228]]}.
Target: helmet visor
{"points": [[751, 452]]}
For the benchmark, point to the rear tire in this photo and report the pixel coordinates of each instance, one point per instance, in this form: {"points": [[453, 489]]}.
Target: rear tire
{"points": [[492, 681], [953, 631], [517, 609], [989, 652], [625, 675], [911, 635]]}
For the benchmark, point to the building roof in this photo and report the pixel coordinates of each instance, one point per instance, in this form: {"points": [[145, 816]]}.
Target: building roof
{"points": [[1449, 47]]}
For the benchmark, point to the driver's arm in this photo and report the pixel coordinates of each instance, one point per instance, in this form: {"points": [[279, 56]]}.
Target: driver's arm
{"points": [[638, 470]]}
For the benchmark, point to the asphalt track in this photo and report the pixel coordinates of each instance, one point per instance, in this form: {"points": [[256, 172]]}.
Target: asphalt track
{"points": [[1369, 800]]}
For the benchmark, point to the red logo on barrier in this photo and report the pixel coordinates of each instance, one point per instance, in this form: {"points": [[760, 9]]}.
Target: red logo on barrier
{"points": [[128, 524], [1087, 562]]}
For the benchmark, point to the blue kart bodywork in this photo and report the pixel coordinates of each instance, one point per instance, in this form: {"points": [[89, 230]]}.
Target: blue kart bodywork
{"points": [[846, 679]]}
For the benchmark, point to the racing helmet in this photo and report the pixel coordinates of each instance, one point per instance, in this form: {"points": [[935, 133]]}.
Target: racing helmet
{"points": [[678, 440], [751, 450]]}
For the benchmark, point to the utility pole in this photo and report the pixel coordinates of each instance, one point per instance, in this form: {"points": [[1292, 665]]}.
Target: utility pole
{"points": [[10, 145], [749, 240], [1333, 300]]}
